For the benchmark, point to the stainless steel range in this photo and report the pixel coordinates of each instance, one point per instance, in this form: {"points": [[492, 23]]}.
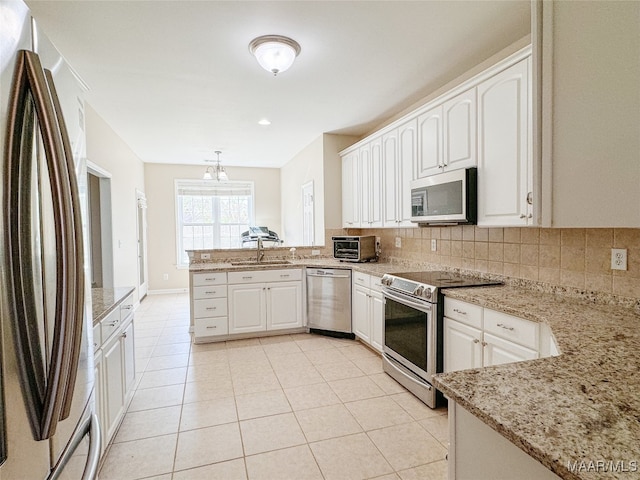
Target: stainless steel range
{"points": [[413, 339]]}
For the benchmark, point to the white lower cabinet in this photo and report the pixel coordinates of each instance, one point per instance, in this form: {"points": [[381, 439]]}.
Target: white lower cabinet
{"points": [[477, 451], [115, 370], [209, 312], [273, 303], [368, 309], [477, 337]]}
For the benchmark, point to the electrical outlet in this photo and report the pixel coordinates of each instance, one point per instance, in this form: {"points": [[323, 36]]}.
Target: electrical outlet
{"points": [[165, 276], [315, 252], [618, 259], [398, 242], [205, 256], [434, 244]]}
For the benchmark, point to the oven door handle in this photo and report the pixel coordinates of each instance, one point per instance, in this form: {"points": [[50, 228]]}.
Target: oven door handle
{"points": [[405, 300]]}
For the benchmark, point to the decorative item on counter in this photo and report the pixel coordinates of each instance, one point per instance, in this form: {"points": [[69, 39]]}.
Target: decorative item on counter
{"points": [[293, 253]]}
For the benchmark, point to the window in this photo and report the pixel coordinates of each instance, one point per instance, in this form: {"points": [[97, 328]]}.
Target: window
{"points": [[211, 215]]}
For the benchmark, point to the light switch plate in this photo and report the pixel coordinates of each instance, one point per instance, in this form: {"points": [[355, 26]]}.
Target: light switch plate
{"points": [[618, 259], [315, 252], [434, 244], [398, 242]]}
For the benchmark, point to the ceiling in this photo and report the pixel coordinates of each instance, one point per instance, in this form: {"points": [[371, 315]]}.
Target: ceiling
{"points": [[176, 81]]}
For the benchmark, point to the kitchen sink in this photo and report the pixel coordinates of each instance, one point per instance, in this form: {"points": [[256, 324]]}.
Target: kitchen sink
{"points": [[263, 262]]}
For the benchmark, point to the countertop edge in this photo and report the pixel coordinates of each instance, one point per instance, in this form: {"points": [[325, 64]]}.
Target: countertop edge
{"points": [[105, 301]]}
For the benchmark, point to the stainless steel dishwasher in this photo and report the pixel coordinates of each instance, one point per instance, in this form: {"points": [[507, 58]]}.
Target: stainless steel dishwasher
{"points": [[329, 301]]}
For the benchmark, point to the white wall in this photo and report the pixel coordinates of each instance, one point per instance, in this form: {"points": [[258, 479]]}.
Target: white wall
{"points": [[318, 162], [161, 214], [596, 114], [107, 150], [306, 166]]}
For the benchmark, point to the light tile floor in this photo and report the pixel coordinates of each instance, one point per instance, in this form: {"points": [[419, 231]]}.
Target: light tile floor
{"points": [[277, 408]]}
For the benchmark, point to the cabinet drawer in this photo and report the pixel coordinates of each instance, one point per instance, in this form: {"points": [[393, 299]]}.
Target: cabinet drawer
{"points": [[110, 324], [361, 279], [97, 337], [259, 276], [210, 291], [463, 312], [214, 307], [214, 278], [205, 327], [511, 328], [376, 286], [126, 307]]}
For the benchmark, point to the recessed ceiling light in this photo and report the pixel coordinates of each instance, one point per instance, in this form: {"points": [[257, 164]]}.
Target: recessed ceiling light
{"points": [[264, 121]]}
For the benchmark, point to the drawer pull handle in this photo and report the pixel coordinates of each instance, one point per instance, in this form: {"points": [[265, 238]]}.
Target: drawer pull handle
{"points": [[127, 307], [247, 278], [124, 335], [475, 340], [459, 311], [210, 293], [502, 325], [114, 323], [285, 275], [211, 308], [212, 327], [210, 279]]}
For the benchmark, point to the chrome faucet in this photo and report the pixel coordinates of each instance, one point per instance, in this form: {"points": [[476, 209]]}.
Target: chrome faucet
{"points": [[260, 253]]}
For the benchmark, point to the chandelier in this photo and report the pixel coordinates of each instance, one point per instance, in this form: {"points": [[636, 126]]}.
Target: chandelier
{"points": [[216, 170]]}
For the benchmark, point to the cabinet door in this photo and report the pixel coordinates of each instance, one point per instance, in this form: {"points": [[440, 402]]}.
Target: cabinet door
{"points": [[99, 394], [390, 175], [503, 148], [407, 152], [377, 320], [364, 167], [498, 351], [430, 155], [247, 309], [462, 346], [376, 193], [114, 386], [361, 319], [129, 351], [460, 143], [350, 191], [284, 305]]}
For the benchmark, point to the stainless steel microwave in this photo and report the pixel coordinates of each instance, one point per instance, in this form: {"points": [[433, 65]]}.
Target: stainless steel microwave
{"points": [[449, 198], [354, 249]]}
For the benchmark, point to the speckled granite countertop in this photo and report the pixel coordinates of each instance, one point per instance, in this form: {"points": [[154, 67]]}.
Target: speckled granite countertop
{"points": [[106, 299], [372, 268], [583, 405]]}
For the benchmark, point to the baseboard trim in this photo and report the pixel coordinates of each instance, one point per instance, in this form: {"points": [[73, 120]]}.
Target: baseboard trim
{"points": [[169, 290]]}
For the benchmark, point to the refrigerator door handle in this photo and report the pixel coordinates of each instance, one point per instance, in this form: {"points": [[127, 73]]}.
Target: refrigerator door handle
{"points": [[91, 427], [74, 292], [43, 392]]}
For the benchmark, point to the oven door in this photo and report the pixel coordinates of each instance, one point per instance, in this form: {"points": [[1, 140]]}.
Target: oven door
{"points": [[410, 333]]}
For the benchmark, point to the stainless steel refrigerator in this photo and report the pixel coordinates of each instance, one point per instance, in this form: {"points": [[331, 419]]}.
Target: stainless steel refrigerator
{"points": [[48, 428]]}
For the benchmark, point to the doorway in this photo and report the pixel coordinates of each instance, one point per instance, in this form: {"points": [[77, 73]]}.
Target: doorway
{"points": [[100, 229], [141, 228], [308, 218]]}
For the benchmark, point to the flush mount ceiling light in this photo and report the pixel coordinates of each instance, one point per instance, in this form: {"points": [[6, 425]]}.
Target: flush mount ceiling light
{"points": [[217, 170], [274, 53]]}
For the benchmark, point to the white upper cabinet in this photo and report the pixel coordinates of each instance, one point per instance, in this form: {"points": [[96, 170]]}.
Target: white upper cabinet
{"points": [[390, 175], [505, 179], [447, 136], [460, 144], [430, 137], [350, 191], [371, 194], [407, 158]]}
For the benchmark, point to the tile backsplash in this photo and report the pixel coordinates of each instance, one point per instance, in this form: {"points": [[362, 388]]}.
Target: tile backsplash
{"points": [[573, 257]]}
